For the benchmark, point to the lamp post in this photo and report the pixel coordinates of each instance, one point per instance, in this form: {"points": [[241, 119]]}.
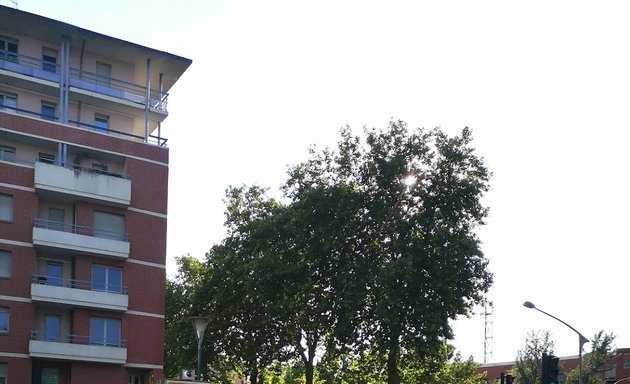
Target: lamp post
{"points": [[199, 323], [582, 339]]}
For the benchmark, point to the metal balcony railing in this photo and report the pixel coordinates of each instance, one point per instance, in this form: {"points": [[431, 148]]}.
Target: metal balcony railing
{"points": [[77, 339], [155, 140], [80, 230], [79, 284], [85, 80]]}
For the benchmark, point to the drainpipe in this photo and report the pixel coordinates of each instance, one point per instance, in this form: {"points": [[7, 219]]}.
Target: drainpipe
{"points": [[147, 100]]}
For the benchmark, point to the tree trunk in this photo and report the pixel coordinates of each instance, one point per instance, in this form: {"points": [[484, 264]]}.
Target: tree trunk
{"points": [[309, 372], [253, 376], [393, 376]]}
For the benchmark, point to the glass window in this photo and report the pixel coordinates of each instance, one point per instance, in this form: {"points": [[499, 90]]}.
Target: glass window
{"points": [[50, 375], [6, 208], [5, 264], [4, 320], [105, 332], [56, 219], [103, 74], [101, 123], [109, 225], [4, 371], [48, 110], [8, 49], [54, 273], [7, 153], [52, 328], [8, 102], [49, 60], [108, 279]]}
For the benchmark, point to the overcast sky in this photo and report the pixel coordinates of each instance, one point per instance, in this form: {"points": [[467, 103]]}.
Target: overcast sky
{"points": [[544, 85]]}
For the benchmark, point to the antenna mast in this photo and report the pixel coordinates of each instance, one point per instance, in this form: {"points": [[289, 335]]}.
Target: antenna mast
{"points": [[487, 342]]}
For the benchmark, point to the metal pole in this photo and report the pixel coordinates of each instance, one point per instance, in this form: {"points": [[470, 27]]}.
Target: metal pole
{"points": [[581, 341], [198, 372]]}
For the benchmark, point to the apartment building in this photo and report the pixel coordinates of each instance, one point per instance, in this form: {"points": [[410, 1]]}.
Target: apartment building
{"points": [[83, 203]]}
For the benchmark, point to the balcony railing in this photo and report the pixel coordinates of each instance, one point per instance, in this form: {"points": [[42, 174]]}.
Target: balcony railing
{"points": [[105, 85], [70, 347], [79, 284], [78, 339], [155, 140], [59, 236], [77, 293], [80, 230]]}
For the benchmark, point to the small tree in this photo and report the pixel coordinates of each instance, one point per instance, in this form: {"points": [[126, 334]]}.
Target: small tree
{"points": [[527, 369]]}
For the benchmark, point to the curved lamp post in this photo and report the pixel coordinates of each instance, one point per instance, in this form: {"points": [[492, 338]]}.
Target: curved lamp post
{"points": [[582, 339], [199, 323]]}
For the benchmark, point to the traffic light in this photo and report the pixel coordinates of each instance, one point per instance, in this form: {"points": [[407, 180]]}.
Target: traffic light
{"points": [[549, 369]]}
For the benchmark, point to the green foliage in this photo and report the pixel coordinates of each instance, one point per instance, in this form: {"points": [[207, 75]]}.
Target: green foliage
{"points": [[371, 254], [595, 362], [180, 343], [527, 369]]}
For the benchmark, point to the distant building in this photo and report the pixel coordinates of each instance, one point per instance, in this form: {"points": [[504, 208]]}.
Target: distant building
{"points": [[616, 369], [83, 203]]}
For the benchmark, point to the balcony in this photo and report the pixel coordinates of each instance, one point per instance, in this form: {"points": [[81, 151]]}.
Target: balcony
{"points": [[22, 68], [85, 183], [56, 236], [78, 293], [76, 348]]}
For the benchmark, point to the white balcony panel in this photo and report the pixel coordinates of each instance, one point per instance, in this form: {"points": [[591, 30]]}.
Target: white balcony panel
{"points": [[77, 352], [90, 245], [82, 183], [79, 297]]}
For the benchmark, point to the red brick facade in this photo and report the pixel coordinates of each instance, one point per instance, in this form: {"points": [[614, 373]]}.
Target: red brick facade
{"points": [[86, 242]]}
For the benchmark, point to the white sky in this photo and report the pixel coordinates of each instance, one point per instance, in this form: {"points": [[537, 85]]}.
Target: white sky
{"points": [[543, 84]]}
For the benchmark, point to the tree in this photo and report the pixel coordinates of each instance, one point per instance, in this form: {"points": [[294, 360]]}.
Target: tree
{"points": [[374, 251], [242, 289], [179, 338], [527, 369], [594, 363], [419, 195]]}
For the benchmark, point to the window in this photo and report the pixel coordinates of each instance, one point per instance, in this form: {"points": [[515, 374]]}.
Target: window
{"points": [[6, 208], [7, 153], [103, 74], [52, 328], [48, 110], [54, 273], [49, 60], [8, 102], [46, 158], [4, 320], [108, 279], [109, 225], [101, 123], [4, 372], [5, 264], [8, 49], [105, 332], [56, 219], [50, 375]]}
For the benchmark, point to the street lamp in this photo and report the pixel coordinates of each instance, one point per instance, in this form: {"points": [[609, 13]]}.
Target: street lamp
{"points": [[582, 339], [199, 323]]}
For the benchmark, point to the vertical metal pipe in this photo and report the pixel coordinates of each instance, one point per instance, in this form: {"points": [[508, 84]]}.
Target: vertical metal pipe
{"points": [[64, 79], [147, 100]]}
